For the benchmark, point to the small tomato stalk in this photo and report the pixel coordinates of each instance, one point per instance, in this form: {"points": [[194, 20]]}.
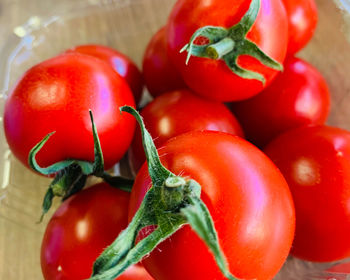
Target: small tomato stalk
{"points": [[229, 43], [71, 174], [170, 203]]}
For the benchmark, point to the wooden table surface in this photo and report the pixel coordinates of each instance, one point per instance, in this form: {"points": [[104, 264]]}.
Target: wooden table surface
{"points": [[20, 199]]}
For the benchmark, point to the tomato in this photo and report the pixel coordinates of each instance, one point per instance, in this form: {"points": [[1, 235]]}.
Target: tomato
{"points": [[159, 72], [302, 22], [56, 95], [213, 79], [316, 164], [124, 66], [340, 268], [79, 231], [299, 96], [178, 112], [247, 197]]}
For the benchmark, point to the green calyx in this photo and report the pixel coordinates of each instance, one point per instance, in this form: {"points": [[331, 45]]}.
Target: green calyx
{"points": [[170, 203], [229, 43], [71, 175]]}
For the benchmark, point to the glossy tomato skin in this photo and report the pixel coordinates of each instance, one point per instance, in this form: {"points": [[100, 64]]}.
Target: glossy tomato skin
{"points": [[159, 72], [56, 95], [212, 78], [178, 112], [122, 64], [298, 96], [302, 21], [247, 197], [315, 163], [81, 228]]}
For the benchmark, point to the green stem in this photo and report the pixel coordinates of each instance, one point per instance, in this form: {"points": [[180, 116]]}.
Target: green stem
{"points": [[124, 242], [229, 43], [170, 203], [221, 48], [157, 171], [124, 184], [175, 182], [71, 174]]}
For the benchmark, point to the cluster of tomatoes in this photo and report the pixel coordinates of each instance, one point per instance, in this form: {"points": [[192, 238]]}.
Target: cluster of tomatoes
{"points": [[209, 52]]}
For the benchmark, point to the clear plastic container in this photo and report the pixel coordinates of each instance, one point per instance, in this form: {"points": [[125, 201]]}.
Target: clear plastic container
{"points": [[127, 25]]}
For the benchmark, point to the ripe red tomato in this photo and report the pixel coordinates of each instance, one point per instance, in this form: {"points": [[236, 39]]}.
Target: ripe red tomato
{"points": [[247, 197], [316, 164], [340, 268], [81, 228], [159, 72], [177, 112], [302, 22], [124, 66], [299, 96], [213, 79], [56, 95]]}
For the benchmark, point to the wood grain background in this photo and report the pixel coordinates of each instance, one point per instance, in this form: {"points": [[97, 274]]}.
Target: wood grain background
{"points": [[21, 191]]}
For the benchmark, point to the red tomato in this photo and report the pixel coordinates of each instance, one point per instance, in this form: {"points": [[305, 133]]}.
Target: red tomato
{"points": [[247, 197], [178, 112], [56, 95], [213, 78], [302, 22], [81, 228], [316, 164], [299, 96], [159, 72], [124, 66], [340, 268]]}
